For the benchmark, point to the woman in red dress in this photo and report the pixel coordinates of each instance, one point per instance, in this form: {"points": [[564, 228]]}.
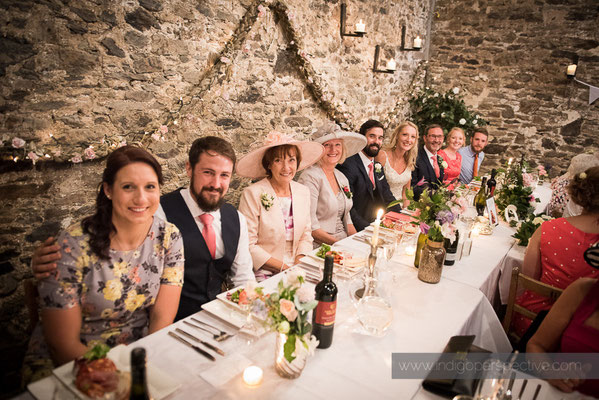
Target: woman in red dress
{"points": [[555, 251], [455, 140]]}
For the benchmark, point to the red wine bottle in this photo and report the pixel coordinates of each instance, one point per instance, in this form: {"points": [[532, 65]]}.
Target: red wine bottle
{"points": [[139, 382], [323, 316], [491, 184]]}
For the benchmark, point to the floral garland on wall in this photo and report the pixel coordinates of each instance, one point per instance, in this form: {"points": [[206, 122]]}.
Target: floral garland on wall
{"points": [[19, 150]]}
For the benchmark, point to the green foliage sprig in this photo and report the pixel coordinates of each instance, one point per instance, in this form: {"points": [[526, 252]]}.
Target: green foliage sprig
{"points": [[526, 229], [446, 109], [516, 188]]}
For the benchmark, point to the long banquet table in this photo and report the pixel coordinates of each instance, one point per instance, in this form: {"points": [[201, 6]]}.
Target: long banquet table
{"points": [[356, 365], [425, 316]]}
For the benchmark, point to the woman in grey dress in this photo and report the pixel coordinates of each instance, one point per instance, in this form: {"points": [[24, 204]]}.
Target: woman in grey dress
{"points": [[120, 273], [330, 195]]}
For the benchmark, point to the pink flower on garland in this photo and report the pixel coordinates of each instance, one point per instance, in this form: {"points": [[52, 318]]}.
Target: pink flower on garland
{"points": [[163, 129], [76, 159], [33, 157], [18, 143], [89, 153]]}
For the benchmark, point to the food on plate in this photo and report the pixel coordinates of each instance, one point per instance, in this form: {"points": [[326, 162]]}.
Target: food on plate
{"points": [[354, 262], [409, 228], [322, 250], [388, 223], [97, 376], [240, 296]]}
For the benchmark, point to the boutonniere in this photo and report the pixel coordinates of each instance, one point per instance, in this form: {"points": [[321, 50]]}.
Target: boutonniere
{"points": [[347, 192], [442, 162], [267, 200], [378, 168]]}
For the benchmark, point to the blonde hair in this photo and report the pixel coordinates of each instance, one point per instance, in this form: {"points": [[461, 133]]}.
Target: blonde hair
{"points": [[410, 155], [343, 152], [456, 129]]}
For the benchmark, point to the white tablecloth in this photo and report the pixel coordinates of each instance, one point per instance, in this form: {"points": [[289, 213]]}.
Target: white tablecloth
{"points": [[356, 365]]}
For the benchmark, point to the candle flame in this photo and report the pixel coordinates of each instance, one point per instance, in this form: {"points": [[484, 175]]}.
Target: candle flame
{"points": [[379, 214]]}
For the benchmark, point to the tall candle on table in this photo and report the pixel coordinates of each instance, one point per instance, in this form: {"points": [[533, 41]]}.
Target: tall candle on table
{"points": [[377, 227]]}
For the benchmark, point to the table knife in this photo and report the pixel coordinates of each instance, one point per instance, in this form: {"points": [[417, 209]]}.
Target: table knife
{"points": [[537, 392], [210, 346], [196, 348], [522, 388]]}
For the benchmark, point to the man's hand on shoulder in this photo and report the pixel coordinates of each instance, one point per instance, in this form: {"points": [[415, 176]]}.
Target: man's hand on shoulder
{"points": [[43, 261]]}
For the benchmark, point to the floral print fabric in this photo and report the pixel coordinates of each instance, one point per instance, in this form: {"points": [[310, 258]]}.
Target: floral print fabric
{"points": [[114, 295]]}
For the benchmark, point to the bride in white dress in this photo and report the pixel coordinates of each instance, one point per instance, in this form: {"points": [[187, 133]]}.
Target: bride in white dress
{"points": [[399, 159]]}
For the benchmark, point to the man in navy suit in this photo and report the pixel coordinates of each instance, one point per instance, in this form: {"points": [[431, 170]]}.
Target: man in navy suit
{"points": [[429, 170], [366, 178]]}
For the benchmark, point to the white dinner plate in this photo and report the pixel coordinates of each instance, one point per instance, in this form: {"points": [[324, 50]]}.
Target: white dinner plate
{"points": [[160, 383]]}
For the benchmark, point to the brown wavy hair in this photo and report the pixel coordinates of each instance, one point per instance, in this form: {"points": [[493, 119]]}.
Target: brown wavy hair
{"points": [[99, 226], [584, 190]]}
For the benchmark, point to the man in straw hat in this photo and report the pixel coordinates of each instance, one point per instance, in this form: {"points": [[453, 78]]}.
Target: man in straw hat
{"points": [[367, 180], [215, 235]]}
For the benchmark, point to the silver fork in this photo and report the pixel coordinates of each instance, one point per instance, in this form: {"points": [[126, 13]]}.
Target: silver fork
{"points": [[222, 335]]}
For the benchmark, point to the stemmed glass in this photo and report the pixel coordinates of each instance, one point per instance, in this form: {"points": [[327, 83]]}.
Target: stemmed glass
{"points": [[389, 248]]}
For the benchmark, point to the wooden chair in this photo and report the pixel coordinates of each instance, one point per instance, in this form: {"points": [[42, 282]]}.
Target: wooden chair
{"points": [[525, 282]]}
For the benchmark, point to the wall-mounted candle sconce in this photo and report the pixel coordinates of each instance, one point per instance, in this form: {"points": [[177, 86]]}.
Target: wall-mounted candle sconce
{"points": [[360, 26], [571, 74], [416, 45], [389, 68]]}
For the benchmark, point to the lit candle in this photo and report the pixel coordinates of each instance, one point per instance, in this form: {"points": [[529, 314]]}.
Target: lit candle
{"points": [[391, 65], [410, 250], [252, 375], [417, 43], [510, 161], [571, 71], [377, 227], [360, 27]]}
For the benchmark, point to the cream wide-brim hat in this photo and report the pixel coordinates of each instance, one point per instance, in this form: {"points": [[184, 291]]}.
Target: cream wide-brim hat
{"points": [[353, 142], [250, 165]]}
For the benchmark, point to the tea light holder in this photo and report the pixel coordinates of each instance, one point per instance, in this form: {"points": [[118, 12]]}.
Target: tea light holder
{"points": [[253, 375]]}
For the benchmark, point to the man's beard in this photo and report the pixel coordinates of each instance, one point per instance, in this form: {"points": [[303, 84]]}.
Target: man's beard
{"points": [[203, 203], [372, 150]]}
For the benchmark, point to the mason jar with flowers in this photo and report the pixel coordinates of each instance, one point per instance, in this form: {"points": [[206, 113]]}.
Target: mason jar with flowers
{"points": [[436, 211], [287, 314]]}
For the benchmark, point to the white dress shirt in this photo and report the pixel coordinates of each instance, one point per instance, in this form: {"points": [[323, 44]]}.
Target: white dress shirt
{"points": [[429, 155], [242, 269], [366, 161]]}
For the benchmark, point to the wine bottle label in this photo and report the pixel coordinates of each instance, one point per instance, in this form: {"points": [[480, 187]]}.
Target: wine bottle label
{"points": [[450, 257], [325, 312]]}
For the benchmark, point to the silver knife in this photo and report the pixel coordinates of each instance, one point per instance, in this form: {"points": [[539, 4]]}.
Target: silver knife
{"points": [[210, 346], [537, 392], [196, 348]]}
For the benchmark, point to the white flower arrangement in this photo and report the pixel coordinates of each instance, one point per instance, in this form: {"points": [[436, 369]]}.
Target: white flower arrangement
{"points": [[378, 168], [267, 200]]}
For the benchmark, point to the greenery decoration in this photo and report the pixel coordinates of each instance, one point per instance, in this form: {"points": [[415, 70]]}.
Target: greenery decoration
{"points": [[526, 229], [446, 109], [516, 188]]}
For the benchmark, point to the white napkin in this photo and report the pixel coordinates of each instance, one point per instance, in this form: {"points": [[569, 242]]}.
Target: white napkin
{"points": [[225, 370]]}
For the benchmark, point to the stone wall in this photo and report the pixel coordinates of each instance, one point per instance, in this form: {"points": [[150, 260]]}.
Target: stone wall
{"points": [[511, 58], [79, 78]]}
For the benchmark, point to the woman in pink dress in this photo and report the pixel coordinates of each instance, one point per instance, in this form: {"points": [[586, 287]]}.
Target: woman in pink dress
{"points": [[572, 326], [555, 252], [455, 140]]}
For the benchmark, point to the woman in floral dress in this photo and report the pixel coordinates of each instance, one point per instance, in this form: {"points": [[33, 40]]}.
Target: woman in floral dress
{"points": [[120, 272]]}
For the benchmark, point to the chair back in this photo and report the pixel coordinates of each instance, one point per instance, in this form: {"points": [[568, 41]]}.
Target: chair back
{"points": [[521, 281]]}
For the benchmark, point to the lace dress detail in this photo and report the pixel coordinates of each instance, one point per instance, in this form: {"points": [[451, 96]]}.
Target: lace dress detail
{"points": [[396, 181]]}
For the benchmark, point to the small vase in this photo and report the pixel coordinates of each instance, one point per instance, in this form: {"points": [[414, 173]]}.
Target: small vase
{"points": [[431, 262], [419, 246], [286, 369]]}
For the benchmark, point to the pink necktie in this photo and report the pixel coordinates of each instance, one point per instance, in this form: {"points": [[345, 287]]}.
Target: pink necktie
{"points": [[208, 233], [371, 174], [436, 166]]}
